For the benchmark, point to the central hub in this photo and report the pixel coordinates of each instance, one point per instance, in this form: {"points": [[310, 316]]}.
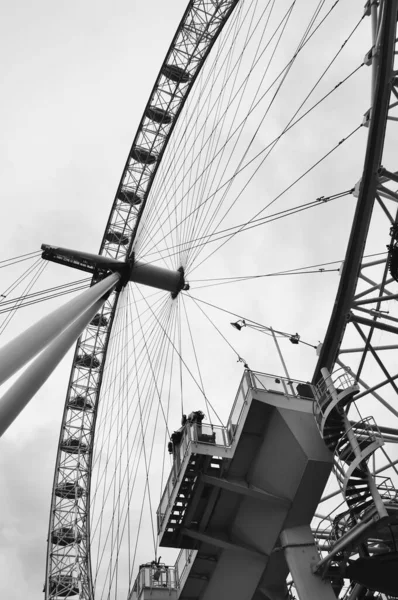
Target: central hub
{"points": [[132, 270], [157, 277]]}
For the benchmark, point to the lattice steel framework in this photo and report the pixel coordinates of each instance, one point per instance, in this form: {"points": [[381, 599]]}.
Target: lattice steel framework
{"points": [[359, 313], [68, 558]]}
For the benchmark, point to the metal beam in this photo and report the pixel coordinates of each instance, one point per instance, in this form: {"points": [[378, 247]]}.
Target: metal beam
{"points": [[371, 391], [376, 348], [221, 541], [367, 193], [375, 299], [240, 486], [370, 323]]}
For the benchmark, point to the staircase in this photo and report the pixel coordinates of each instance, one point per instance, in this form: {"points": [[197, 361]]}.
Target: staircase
{"points": [[371, 500], [197, 464], [351, 451]]}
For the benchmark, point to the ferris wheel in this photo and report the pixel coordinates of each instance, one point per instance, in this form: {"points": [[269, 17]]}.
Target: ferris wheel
{"points": [[211, 156]]}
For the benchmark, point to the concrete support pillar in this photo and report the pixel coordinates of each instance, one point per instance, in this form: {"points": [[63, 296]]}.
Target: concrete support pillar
{"points": [[301, 554], [15, 354], [23, 390]]}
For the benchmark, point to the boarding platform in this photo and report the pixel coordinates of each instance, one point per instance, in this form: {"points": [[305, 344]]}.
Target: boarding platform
{"points": [[240, 499]]}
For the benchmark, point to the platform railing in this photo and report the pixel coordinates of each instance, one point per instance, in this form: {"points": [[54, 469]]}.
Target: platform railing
{"points": [[223, 437], [195, 433], [341, 379], [152, 577], [282, 385]]}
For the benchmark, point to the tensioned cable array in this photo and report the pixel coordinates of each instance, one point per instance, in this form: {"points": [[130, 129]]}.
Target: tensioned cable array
{"points": [[155, 368], [289, 125]]}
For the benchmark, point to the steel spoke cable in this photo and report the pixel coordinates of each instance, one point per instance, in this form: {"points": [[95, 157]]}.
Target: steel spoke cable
{"points": [[232, 151], [208, 405], [264, 50], [134, 480], [21, 278], [35, 277], [275, 80], [269, 145], [247, 320], [264, 220], [22, 304], [151, 396], [166, 433], [156, 343], [180, 361], [199, 102], [245, 225], [108, 455], [316, 164], [160, 212], [147, 464], [184, 363], [240, 358], [291, 120], [115, 504], [45, 291], [142, 432], [170, 105], [109, 375], [194, 225], [10, 262], [240, 279], [109, 420], [195, 104], [200, 191], [161, 301]]}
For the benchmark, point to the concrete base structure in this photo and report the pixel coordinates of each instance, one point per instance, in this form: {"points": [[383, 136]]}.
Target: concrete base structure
{"points": [[248, 514]]}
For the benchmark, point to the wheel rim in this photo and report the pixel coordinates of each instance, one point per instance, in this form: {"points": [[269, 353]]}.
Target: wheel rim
{"points": [[115, 245]]}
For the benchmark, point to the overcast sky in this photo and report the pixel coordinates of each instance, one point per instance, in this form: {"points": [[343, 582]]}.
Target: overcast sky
{"points": [[75, 78]]}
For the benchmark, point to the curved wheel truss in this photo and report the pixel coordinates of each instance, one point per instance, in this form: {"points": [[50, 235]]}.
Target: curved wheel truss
{"points": [[365, 291], [68, 557]]}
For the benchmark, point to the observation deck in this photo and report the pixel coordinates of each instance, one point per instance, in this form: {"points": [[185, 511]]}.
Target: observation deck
{"points": [[240, 499]]}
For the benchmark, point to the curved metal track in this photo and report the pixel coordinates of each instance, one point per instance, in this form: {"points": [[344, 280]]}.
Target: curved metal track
{"points": [[68, 571], [365, 286], [385, 80]]}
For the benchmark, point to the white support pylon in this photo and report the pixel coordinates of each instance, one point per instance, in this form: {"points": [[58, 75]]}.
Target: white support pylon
{"points": [[23, 390], [15, 354]]}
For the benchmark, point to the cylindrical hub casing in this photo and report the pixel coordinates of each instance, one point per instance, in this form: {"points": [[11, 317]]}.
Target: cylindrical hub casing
{"points": [[157, 277]]}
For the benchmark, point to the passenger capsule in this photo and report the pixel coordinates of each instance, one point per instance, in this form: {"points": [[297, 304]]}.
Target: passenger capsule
{"points": [[87, 361], [142, 155], [64, 586], [99, 320], [129, 197], [158, 114], [115, 237], [64, 536], [74, 446], [175, 73], [69, 490], [80, 403]]}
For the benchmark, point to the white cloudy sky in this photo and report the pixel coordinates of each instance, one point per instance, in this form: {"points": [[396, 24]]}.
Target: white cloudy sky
{"points": [[75, 78]]}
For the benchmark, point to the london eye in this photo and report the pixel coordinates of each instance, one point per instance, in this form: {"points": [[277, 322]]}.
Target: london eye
{"points": [[229, 428]]}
